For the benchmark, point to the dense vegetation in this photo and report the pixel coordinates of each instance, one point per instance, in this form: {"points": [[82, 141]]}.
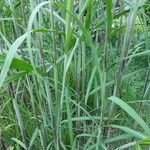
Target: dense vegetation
{"points": [[75, 74]]}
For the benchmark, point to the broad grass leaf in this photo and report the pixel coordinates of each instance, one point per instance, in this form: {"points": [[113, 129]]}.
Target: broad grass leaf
{"points": [[131, 112], [11, 53]]}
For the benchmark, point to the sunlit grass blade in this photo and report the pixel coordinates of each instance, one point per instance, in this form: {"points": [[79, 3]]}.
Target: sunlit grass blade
{"points": [[11, 53], [19, 143]]}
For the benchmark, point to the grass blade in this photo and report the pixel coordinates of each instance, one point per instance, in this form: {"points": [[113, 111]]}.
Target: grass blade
{"points": [[131, 112]]}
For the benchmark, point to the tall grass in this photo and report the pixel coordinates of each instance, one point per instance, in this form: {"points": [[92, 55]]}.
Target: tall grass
{"points": [[74, 74]]}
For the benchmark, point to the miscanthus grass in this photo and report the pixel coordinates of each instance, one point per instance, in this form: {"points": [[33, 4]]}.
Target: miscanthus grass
{"points": [[74, 74]]}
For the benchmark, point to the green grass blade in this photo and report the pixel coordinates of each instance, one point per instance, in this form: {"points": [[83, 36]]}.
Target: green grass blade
{"points": [[19, 143], [35, 134], [130, 131], [11, 53], [19, 119], [131, 112], [89, 85]]}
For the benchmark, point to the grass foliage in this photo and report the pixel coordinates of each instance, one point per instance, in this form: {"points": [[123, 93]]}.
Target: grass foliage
{"points": [[74, 74]]}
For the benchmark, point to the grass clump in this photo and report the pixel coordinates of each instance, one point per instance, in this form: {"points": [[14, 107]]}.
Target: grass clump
{"points": [[74, 74]]}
